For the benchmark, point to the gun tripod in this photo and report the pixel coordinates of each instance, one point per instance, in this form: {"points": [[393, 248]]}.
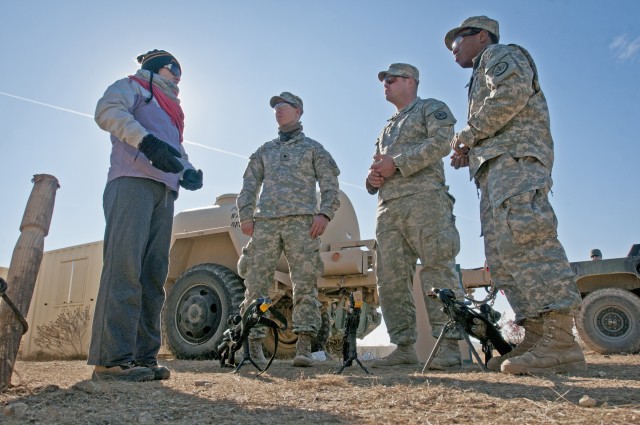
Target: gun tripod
{"points": [[452, 324], [349, 351]]}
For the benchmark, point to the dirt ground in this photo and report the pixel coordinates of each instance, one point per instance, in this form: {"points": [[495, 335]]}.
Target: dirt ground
{"points": [[200, 392]]}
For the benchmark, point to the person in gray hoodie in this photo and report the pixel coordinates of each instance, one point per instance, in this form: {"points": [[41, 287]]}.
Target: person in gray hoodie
{"points": [[148, 165]]}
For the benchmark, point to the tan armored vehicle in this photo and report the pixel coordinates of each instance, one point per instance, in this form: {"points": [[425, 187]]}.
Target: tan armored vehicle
{"points": [[203, 287], [609, 321]]}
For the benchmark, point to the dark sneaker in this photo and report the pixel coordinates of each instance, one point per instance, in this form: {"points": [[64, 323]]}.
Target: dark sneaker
{"points": [[122, 372], [159, 372]]}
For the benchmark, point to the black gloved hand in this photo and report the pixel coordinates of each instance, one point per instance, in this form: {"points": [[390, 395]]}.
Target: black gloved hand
{"points": [[161, 155], [191, 179]]}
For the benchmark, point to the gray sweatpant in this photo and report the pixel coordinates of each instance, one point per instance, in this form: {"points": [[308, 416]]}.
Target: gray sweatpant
{"points": [[126, 321]]}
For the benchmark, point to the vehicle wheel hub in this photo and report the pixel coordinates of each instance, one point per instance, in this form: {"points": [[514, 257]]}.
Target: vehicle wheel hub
{"points": [[198, 314], [613, 322]]}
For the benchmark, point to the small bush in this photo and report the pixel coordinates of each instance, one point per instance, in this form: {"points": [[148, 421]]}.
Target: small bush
{"points": [[62, 338], [511, 332]]}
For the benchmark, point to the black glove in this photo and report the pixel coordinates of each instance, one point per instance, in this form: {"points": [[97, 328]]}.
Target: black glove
{"points": [[161, 155], [191, 179]]}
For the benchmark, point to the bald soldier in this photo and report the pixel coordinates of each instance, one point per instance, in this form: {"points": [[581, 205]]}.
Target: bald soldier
{"points": [[508, 148], [278, 209], [414, 217]]}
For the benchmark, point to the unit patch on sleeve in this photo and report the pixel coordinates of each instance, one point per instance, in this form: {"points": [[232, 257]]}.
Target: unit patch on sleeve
{"points": [[500, 68]]}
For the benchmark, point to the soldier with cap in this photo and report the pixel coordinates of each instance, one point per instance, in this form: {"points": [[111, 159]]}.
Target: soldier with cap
{"points": [[414, 219], [278, 209], [148, 165], [596, 254], [508, 148]]}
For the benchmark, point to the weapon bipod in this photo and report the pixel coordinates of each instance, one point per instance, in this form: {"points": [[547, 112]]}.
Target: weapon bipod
{"points": [[247, 356], [237, 335], [349, 362], [452, 324]]}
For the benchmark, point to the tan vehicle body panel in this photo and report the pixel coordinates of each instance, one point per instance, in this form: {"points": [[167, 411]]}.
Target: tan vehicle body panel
{"points": [[69, 277]]}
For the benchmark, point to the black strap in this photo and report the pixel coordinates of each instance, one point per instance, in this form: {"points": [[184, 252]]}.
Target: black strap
{"points": [[21, 319], [147, 100]]}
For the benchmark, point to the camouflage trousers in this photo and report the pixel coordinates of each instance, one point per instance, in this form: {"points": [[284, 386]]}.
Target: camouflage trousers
{"points": [[419, 226], [521, 243], [289, 236]]}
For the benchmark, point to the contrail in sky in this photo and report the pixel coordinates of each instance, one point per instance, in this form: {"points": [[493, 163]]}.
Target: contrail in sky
{"points": [[237, 155], [82, 114], [47, 105]]}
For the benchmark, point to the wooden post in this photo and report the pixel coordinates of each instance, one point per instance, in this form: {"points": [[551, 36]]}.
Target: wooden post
{"points": [[23, 270]]}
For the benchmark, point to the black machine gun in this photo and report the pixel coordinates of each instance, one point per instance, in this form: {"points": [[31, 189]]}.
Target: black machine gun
{"points": [[237, 335], [469, 322], [349, 351]]}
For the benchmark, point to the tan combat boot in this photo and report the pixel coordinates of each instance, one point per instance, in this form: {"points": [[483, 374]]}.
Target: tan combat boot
{"points": [[556, 351], [403, 354], [448, 355], [303, 350], [255, 351], [532, 333]]}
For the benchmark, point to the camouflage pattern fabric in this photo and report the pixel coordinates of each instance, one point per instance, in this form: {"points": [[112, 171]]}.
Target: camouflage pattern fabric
{"points": [[521, 242], [507, 110], [417, 137], [287, 173], [271, 238], [415, 218], [320, 342], [511, 158], [281, 177]]}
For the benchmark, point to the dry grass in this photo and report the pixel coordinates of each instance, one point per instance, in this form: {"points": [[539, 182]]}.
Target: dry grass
{"points": [[199, 392]]}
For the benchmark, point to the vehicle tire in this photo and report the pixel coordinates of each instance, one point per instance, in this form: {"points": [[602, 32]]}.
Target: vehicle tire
{"points": [[286, 339], [609, 322], [197, 307]]}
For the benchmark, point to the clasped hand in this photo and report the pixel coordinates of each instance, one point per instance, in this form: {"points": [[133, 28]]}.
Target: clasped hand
{"points": [[382, 168]]}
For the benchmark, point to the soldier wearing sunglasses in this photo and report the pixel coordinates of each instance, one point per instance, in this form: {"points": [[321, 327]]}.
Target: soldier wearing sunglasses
{"points": [[415, 216], [508, 148]]}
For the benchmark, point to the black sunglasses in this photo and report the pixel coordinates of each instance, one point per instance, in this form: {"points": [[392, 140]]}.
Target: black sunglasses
{"points": [[175, 69]]}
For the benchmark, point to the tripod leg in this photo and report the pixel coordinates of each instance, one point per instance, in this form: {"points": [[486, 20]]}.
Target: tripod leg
{"points": [[438, 343], [362, 366], [471, 347]]}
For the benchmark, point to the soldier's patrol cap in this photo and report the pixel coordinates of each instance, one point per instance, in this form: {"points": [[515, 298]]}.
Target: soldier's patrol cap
{"points": [[596, 252], [400, 70], [287, 97], [479, 22]]}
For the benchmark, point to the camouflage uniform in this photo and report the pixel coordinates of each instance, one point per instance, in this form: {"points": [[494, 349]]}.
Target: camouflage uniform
{"points": [[287, 172], [415, 217], [511, 158]]}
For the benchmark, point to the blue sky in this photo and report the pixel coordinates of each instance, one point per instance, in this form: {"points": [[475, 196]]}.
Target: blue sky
{"points": [[58, 58]]}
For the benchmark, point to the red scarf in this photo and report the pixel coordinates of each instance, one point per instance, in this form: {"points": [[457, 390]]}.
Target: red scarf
{"points": [[172, 108]]}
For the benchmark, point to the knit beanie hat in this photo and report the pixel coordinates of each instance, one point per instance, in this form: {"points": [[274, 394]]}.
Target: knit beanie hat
{"points": [[155, 59]]}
